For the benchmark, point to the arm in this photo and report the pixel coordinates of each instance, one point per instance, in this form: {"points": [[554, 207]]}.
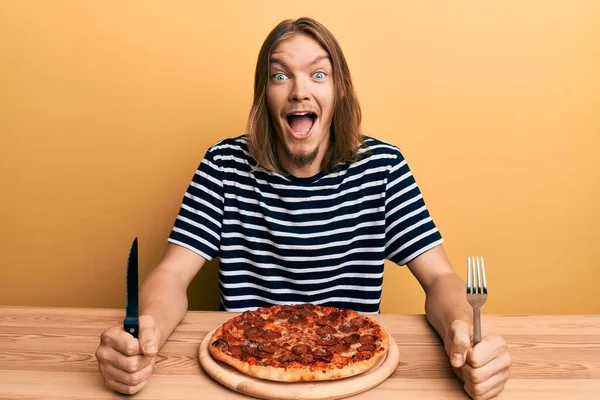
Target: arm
{"points": [[484, 367], [164, 292], [445, 299]]}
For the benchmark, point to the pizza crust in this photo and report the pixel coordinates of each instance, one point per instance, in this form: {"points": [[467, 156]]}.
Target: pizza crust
{"points": [[297, 372]]}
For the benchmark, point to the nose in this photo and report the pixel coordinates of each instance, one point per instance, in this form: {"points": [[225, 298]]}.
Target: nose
{"points": [[300, 90]]}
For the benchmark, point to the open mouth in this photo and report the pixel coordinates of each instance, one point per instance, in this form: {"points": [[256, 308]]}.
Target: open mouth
{"points": [[301, 123]]}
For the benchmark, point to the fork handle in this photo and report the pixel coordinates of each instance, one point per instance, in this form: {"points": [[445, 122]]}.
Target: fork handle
{"points": [[476, 325]]}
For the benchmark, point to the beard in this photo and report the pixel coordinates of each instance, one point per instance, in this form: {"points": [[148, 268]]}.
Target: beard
{"points": [[300, 160]]}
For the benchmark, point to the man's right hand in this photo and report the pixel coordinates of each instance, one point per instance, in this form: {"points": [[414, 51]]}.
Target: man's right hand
{"points": [[125, 362]]}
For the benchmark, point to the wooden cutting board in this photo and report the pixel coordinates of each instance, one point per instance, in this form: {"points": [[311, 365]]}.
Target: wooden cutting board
{"points": [[265, 389]]}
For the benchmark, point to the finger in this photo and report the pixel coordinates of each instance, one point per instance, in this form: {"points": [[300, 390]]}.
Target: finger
{"points": [[487, 350], [491, 394], [147, 336], [126, 363], [121, 388], [121, 341], [127, 378], [482, 389], [459, 339], [479, 375], [469, 390]]}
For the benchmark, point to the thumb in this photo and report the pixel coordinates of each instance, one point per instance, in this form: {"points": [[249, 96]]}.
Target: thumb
{"points": [[458, 342], [147, 336]]}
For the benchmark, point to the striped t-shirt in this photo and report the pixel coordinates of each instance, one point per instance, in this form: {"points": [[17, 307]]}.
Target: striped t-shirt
{"points": [[323, 239]]}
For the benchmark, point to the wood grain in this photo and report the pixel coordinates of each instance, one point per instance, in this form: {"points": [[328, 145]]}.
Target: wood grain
{"points": [[48, 353]]}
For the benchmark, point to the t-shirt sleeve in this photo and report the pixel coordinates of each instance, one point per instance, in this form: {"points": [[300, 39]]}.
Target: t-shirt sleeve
{"points": [[410, 230], [198, 224]]}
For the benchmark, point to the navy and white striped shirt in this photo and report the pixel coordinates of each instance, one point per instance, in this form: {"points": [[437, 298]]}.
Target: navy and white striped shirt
{"points": [[323, 239]]}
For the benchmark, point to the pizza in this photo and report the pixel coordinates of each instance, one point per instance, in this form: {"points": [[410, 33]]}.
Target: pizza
{"points": [[300, 342]]}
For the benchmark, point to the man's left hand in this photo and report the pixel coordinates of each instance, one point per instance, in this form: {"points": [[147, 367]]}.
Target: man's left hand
{"points": [[484, 368]]}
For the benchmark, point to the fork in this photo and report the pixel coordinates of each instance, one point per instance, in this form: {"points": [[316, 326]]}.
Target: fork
{"points": [[476, 292]]}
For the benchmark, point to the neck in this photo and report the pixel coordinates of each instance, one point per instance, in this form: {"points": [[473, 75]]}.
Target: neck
{"points": [[305, 171]]}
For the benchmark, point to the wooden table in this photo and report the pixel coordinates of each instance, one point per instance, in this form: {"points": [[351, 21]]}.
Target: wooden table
{"points": [[49, 353]]}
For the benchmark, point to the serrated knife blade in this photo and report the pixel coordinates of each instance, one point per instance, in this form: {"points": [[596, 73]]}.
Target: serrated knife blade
{"points": [[131, 323]]}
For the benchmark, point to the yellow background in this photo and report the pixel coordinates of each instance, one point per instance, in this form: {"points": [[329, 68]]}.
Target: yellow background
{"points": [[107, 107]]}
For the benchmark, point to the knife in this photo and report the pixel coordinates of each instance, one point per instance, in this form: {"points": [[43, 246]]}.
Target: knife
{"points": [[131, 323]]}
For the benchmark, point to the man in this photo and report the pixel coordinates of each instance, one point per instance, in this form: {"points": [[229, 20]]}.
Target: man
{"points": [[303, 209]]}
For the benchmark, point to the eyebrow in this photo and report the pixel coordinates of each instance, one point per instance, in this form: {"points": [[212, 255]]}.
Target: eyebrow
{"points": [[275, 60]]}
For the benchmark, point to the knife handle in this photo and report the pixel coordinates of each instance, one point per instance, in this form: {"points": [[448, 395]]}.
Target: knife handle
{"points": [[132, 326]]}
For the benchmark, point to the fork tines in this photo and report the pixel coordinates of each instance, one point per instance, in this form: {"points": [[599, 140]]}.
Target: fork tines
{"points": [[476, 271]]}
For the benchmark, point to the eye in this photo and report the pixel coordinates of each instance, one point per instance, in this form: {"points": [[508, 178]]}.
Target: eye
{"points": [[279, 76], [320, 75]]}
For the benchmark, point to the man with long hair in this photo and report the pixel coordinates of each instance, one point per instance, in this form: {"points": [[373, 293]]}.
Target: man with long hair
{"points": [[303, 208]]}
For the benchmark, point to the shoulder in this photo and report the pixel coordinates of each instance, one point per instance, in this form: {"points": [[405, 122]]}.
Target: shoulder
{"points": [[229, 146], [380, 151], [230, 152], [228, 156]]}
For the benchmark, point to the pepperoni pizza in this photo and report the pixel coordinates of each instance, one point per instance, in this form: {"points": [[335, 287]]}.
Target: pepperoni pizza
{"points": [[302, 342]]}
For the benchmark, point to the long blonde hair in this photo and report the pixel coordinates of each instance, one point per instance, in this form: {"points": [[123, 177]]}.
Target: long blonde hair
{"points": [[345, 135]]}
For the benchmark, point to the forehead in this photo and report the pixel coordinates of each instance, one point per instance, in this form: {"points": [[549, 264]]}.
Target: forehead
{"points": [[298, 49]]}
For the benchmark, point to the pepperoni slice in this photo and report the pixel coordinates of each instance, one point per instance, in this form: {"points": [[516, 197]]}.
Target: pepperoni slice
{"points": [[297, 319], [348, 327], [268, 347], [325, 322], [286, 357], [352, 338], [301, 349], [331, 319], [236, 351], [333, 316], [221, 343], [367, 347], [262, 354], [322, 352], [325, 329], [307, 358], [270, 334], [254, 318], [307, 306], [250, 315], [250, 347], [360, 322], [367, 339], [283, 314], [253, 332], [327, 340], [309, 313], [339, 348], [242, 324]]}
